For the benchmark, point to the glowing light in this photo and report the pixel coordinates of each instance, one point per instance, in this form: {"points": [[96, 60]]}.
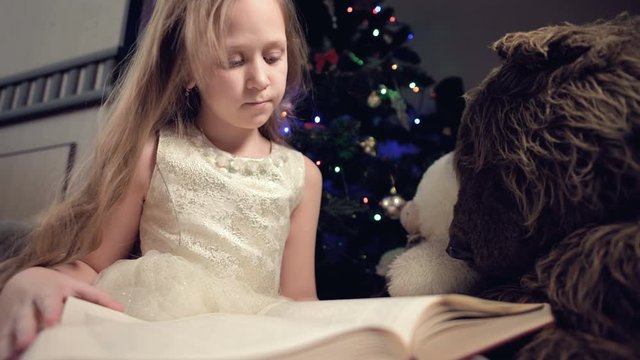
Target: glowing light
{"points": [[394, 67], [416, 89], [284, 114], [383, 91], [376, 32], [286, 129], [377, 217], [377, 9], [392, 19], [412, 85], [316, 119], [349, 9], [416, 121], [365, 200], [337, 169], [318, 162], [410, 37]]}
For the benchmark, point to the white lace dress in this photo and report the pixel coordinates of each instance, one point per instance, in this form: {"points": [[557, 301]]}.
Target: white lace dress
{"points": [[212, 231]]}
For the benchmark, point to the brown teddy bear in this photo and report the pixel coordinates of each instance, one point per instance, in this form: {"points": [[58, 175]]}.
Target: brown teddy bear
{"points": [[548, 162]]}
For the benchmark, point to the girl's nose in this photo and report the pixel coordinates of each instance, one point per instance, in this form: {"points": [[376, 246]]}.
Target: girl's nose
{"points": [[258, 78]]}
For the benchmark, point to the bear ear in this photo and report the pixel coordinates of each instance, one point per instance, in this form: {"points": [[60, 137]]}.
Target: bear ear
{"points": [[563, 51], [546, 47]]}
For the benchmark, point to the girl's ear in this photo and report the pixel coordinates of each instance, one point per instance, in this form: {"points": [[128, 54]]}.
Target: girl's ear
{"points": [[191, 84]]}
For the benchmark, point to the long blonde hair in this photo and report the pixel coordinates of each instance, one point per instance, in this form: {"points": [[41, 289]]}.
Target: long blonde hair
{"points": [[149, 96]]}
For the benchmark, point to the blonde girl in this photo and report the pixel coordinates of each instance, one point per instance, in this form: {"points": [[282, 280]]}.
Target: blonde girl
{"points": [[192, 162]]}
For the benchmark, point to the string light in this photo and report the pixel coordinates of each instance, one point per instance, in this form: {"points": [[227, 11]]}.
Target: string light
{"points": [[392, 19], [286, 129], [316, 119], [365, 200], [410, 36], [412, 85], [377, 9], [337, 169], [377, 217], [416, 121], [394, 67], [318, 162], [284, 114], [349, 9], [416, 89], [376, 32], [383, 91]]}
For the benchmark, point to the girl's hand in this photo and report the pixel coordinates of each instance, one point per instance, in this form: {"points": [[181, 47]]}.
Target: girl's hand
{"points": [[33, 299]]}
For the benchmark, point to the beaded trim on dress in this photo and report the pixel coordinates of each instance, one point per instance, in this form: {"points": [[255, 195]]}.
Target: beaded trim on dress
{"points": [[227, 162]]}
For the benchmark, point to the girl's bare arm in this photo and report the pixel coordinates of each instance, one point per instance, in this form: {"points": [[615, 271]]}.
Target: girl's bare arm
{"points": [[33, 298], [120, 229], [297, 277]]}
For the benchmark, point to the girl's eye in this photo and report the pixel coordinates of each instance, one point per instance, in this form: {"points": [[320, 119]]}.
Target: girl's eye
{"points": [[272, 59], [235, 62]]}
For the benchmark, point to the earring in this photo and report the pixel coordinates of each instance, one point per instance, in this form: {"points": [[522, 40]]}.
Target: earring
{"points": [[187, 92]]}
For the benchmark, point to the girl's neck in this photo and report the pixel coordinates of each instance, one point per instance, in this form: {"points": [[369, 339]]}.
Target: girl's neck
{"points": [[236, 141]]}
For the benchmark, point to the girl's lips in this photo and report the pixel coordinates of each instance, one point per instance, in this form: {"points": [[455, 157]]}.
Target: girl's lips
{"points": [[257, 105], [256, 102]]}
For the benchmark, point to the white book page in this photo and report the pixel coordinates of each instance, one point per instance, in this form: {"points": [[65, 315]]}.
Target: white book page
{"points": [[94, 332], [398, 314]]}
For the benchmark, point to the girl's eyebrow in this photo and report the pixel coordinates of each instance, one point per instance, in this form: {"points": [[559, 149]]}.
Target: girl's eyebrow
{"points": [[270, 45]]}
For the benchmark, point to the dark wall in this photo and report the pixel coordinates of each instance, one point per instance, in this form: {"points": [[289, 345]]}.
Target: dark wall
{"points": [[453, 36]]}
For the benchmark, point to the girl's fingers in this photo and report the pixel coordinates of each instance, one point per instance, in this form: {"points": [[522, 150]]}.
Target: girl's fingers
{"points": [[6, 343], [95, 295], [50, 310], [25, 328]]}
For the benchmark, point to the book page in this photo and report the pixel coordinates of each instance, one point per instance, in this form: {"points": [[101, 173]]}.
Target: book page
{"points": [[488, 307], [463, 337], [90, 331], [81, 312], [399, 315], [363, 328]]}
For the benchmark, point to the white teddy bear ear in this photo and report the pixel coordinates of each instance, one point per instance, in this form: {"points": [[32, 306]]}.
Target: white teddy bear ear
{"points": [[435, 197], [425, 268]]}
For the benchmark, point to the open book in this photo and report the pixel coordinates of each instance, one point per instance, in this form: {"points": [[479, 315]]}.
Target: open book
{"points": [[433, 327]]}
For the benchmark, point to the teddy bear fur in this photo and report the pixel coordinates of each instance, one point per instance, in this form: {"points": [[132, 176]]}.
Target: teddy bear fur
{"points": [[548, 162], [424, 267]]}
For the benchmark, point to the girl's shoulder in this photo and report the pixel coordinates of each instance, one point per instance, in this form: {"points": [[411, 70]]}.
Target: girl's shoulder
{"points": [[145, 165]]}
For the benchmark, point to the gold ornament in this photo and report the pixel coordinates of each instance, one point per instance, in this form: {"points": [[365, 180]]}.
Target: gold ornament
{"points": [[369, 145], [374, 100], [392, 204]]}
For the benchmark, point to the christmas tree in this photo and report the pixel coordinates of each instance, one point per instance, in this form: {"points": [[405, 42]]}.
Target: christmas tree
{"points": [[371, 145]]}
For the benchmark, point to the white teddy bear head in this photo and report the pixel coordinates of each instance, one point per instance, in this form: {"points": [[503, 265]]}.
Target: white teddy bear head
{"points": [[425, 268]]}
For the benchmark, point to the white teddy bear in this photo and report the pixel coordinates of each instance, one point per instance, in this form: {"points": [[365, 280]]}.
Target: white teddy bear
{"points": [[424, 268]]}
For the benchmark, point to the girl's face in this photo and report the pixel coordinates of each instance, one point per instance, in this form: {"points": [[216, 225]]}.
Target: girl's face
{"points": [[244, 93]]}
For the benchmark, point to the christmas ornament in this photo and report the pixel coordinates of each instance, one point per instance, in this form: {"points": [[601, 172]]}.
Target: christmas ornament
{"points": [[400, 106], [374, 100], [321, 59], [392, 204], [369, 145]]}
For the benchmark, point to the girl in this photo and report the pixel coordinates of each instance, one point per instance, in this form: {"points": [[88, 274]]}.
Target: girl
{"points": [[193, 163]]}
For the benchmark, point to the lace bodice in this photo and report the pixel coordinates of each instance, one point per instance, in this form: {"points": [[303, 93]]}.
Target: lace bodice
{"points": [[228, 213]]}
